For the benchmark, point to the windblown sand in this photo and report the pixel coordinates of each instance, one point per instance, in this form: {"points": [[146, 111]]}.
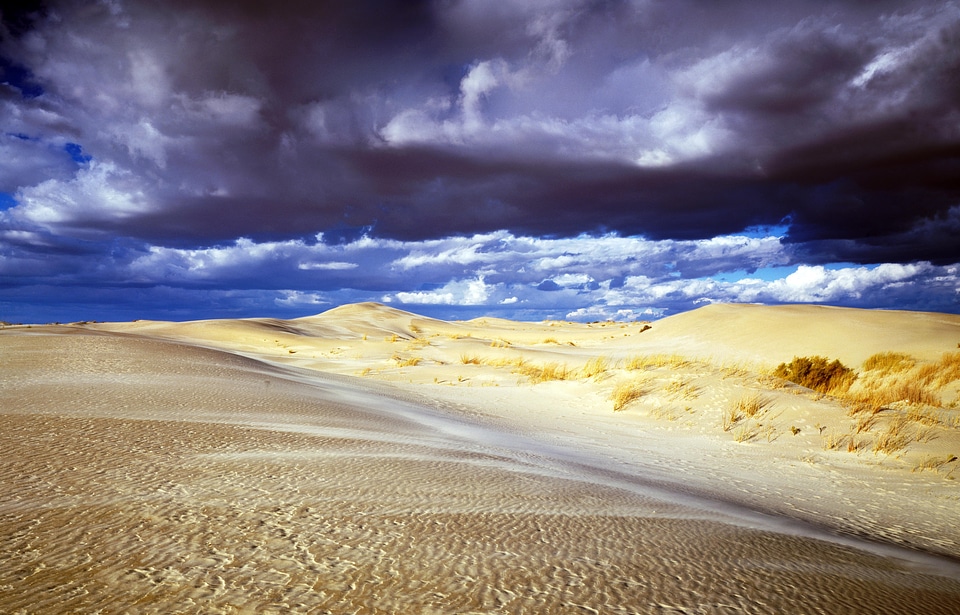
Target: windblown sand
{"points": [[313, 466]]}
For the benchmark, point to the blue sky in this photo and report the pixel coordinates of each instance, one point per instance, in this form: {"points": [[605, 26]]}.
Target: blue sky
{"points": [[557, 159]]}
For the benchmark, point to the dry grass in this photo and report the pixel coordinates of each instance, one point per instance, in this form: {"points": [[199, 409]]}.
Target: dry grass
{"points": [[546, 372], [818, 374], [835, 441], [865, 422], [405, 361], [500, 343], [595, 367], [418, 343], [626, 393], [751, 430], [942, 372], [731, 417], [684, 389], [656, 361], [875, 394], [937, 463], [894, 438], [470, 359], [889, 362], [924, 416], [752, 405], [668, 413]]}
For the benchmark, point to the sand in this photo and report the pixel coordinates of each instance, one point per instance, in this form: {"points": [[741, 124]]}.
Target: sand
{"points": [[361, 461]]}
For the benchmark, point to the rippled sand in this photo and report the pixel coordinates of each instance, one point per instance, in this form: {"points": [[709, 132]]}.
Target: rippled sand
{"points": [[147, 477]]}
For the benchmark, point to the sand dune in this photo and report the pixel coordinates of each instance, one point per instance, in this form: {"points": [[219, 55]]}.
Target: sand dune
{"points": [[372, 460], [774, 334]]}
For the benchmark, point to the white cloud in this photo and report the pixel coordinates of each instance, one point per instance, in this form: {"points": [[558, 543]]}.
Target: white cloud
{"points": [[456, 292], [329, 266], [818, 284], [100, 191]]}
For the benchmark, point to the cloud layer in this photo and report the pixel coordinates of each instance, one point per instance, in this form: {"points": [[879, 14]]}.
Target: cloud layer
{"points": [[237, 148]]}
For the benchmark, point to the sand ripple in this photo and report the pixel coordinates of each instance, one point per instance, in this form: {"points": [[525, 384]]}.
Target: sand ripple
{"points": [[198, 483]]}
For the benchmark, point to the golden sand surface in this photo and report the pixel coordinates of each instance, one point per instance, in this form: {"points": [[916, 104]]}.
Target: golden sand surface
{"points": [[206, 468]]}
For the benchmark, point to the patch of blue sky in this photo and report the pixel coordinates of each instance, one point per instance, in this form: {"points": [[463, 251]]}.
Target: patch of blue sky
{"points": [[7, 201], [19, 77], [76, 153], [768, 230], [767, 274]]}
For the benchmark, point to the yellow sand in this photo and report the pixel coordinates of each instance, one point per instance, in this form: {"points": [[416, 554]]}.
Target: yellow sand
{"points": [[370, 460]]}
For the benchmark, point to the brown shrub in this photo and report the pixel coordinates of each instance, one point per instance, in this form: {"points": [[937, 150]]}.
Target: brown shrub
{"points": [[817, 373]]}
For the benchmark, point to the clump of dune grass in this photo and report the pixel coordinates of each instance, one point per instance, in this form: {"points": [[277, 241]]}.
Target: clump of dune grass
{"points": [[406, 361], [937, 463], [470, 359], [684, 389], [545, 372], [865, 422], [418, 343], [500, 343], [889, 363], [655, 361], [752, 405], [876, 393], [626, 393], [894, 438], [818, 374], [731, 417], [832, 441], [595, 367], [748, 431], [941, 373]]}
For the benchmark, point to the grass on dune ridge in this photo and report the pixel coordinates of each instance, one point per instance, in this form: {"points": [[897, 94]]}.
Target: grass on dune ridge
{"points": [[888, 403]]}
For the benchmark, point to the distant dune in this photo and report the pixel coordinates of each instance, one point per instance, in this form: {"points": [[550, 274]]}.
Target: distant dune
{"points": [[774, 334], [369, 459]]}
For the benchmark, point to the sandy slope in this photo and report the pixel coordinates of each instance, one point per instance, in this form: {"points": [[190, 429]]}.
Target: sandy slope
{"points": [[235, 466]]}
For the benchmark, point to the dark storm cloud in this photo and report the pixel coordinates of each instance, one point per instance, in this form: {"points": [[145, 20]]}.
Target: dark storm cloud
{"points": [[421, 119]]}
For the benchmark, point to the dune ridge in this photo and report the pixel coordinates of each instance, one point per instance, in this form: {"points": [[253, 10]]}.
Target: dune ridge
{"points": [[368, 459]]}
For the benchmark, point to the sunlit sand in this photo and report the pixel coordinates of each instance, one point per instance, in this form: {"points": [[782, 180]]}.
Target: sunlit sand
{"points": [[369, 460]]}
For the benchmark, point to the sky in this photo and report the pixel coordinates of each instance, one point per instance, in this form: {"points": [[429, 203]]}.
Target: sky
{"points": [[563, 159]]}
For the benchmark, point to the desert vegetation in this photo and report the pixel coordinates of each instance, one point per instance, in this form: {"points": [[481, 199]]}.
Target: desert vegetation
{"points": [[627, 392], [817, 373], [894, 401], [893, 406]]}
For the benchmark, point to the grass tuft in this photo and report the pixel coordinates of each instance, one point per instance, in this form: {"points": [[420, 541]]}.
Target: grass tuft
{"points": [[889, 363], [627, 392], [655, 361], [817, 373], [753, 405], [595, 367], [546, 372], [894, 438]]}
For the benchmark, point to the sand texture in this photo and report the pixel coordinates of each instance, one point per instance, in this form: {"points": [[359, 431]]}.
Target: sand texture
{"points": [[368, 460]]}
